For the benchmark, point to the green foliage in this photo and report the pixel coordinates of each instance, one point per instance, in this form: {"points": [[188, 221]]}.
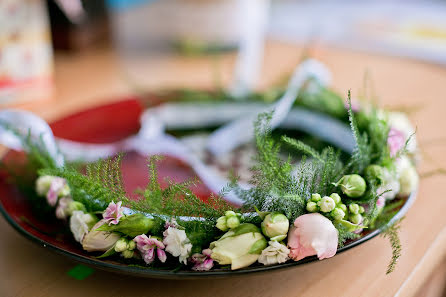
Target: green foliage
{"points": [[177, 199], [361, 156], [323, 100], [276, 189], [392, 234], [344, 234], [302, 147]]}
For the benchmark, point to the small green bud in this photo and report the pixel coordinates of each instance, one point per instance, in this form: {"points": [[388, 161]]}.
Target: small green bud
{"points": [[326, 204], [375, 172], [232, 222], [131, 245], [75, 205], [221, 224], [230, 213], [336, 198], [354, 208], [343, 207], [121, 245], [275, 225], [352, 185], [311, 206], [315, 197], [338, 214], [356, 218], [361, 209], [128, 254]]}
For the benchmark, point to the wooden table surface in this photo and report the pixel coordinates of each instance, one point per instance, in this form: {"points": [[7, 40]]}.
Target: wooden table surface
{"points": [[97, 76]]}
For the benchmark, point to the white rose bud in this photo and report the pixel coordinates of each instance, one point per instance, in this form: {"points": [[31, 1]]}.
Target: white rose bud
{"points": [[99, 241], [239, 247], [275, 226]]}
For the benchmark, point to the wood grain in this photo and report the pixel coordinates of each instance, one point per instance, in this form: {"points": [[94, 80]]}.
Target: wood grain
{"points": [[95, 77]]}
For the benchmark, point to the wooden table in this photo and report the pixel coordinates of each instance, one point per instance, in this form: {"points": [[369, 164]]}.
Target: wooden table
{"points": [[95, 77]]}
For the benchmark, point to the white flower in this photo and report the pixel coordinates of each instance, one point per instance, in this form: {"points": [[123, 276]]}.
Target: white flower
{"points": [[80, 224], [390, 183], [407, 176], [43, 184], [177, 243], [274, 253]]}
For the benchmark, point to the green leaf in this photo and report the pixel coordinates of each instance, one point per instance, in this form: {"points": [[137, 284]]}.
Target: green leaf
{"points": [[110, 252], [258, 246]]}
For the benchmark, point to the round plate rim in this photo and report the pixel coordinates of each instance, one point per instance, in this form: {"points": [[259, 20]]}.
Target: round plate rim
{"points": [[186, 274]]}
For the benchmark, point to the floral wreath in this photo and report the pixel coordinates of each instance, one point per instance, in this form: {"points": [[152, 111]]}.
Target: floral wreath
{"points": [[290, 212]]}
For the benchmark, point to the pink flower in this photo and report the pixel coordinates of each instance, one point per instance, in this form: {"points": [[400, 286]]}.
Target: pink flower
{"points": [[381, 202], [113, 213], [396, 141], [62, 207], [312, 234], [172, 223], [57, 185], [147, 247], [203, 261]]}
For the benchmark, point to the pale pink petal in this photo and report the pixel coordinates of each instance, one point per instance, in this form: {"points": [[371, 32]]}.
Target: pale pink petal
{"points": [[149, 257], [381, 202], [56, 186], [395, 141], [356, 106], [161, 255], [207, 252], [312, 234]]}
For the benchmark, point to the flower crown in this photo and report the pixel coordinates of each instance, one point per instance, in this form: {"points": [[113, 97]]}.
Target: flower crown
{"points": [[292, 210]]}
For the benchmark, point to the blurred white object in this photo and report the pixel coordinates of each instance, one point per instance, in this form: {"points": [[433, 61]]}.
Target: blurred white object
{"points": [[241, 130], [25, 52], [250, 56], [415, 29], [151, 23]]}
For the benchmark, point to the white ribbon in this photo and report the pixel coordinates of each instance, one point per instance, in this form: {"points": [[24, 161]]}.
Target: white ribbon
{"points": [[26, 123], [241, 130]]}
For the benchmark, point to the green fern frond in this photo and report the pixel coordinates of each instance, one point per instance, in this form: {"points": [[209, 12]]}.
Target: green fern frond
{"points": [[392, 234], [177, 199], [302, 147]]}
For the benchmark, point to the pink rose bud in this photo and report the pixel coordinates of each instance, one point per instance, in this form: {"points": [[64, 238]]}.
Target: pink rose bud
{"points": [[312, 234]]}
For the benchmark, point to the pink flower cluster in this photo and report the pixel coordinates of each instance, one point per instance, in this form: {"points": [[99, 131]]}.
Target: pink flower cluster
{"points": [[203, 261], [113, 213], [147, 247]]}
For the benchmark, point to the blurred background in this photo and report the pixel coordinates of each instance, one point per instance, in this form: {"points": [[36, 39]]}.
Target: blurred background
{"points": [[140, 39], [61, 56]]}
